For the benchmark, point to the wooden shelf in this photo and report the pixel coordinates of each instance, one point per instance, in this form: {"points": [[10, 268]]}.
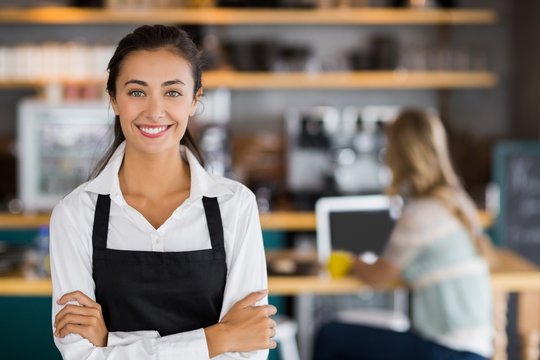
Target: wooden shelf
{"points": [[349, 80], [18, 286], [306, 221], [289, 220], [27, 221], [224, 16], [41, 83], [354, 80], [280, 220], [277, 220]]}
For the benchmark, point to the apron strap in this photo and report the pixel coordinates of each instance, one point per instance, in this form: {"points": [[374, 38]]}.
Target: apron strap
{"points": [[213, 219], [101, 222]]}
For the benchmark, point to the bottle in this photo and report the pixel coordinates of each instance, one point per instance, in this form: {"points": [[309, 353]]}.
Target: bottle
{"points": [[41, 246]]}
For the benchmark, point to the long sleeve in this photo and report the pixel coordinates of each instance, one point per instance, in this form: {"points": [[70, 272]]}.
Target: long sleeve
{"points": [[71, 256], [247, 264], [71, 268]]}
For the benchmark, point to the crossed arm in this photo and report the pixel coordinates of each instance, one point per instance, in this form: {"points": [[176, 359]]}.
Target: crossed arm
{"points": [[245, 327], [244, 324]]}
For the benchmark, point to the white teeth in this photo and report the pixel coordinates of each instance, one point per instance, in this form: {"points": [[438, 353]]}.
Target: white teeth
{"points": [[153, 130]]}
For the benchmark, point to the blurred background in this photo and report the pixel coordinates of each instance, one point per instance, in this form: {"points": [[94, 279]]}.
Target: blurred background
{"points": [[269, 75], [297, 95]]}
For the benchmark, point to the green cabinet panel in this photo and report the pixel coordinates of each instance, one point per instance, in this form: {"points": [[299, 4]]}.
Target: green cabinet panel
{"points": [[26, 330]]}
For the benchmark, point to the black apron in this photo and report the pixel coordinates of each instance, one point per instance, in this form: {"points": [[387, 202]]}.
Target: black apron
{"points": [[170, 292]]}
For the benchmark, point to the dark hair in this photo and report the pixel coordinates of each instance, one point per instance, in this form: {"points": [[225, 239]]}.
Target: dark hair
{"points": [[151, 37]]}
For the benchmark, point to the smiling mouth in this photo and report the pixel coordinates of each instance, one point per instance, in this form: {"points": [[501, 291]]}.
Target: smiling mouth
{"points": [[153, 131]]}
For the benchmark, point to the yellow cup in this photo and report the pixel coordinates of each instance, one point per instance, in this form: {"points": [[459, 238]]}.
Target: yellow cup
{"points": [[339, 263]]}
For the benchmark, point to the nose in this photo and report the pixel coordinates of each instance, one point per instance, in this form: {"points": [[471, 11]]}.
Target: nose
{"points": [[154, 108]]}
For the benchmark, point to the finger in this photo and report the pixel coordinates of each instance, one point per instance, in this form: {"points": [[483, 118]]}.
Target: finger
{"points": [[90, 314], [251, 299], [72, 329], [66, 297], [271, 310], [270, 333], [272, 344], [75, 310], [78, 296], [265, 310], [75, 320]]}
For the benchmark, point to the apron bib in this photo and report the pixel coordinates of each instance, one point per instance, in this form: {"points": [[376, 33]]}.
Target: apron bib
{"points": [[170, 292]]}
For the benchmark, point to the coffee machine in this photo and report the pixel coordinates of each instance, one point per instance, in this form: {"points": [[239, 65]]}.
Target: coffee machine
{"points": [[309, 133], [332, 152], [358, 153], [212, 131]]}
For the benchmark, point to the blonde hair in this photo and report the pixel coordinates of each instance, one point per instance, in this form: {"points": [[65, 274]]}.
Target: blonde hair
{"points": [[418, 156]]}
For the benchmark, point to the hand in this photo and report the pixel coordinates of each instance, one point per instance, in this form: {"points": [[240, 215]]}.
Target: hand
{"points": [[378, 273], [246, 327], [84, 319]]}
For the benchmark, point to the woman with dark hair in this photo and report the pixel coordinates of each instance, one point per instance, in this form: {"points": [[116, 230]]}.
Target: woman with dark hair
{"points": [[154, 258]]}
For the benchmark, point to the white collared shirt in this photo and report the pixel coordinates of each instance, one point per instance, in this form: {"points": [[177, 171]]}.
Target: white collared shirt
{"points": [[186, 230]]}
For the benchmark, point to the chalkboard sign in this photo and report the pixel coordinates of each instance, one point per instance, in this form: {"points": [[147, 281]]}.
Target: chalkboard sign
{"points": [[517, 172]]}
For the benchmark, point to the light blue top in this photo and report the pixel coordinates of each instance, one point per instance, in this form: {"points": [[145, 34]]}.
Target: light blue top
{"points": [[451, 302]]}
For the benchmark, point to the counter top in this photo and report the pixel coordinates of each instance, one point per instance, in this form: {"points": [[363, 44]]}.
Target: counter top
{"points": [[512, 274]]}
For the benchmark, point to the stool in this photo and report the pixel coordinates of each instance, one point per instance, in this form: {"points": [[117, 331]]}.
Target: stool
{"points": [[285, 337]]}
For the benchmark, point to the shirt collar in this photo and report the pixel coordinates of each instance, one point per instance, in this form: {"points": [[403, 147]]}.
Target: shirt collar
{"points": [[202, 183], [107, 180]]}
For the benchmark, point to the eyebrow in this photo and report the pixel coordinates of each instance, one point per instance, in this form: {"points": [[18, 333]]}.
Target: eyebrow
{"points": [[144, 83]]}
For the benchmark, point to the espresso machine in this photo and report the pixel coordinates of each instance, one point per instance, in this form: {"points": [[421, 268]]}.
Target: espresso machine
{"points": [[358, 154], [309, 133], [332, 152], [211, 130]]}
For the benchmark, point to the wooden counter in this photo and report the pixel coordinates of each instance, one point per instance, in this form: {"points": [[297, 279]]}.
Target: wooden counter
{"points": [[511, 274], [514, 274], [287, 285]]}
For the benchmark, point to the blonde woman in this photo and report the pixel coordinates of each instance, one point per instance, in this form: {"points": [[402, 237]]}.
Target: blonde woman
{"points": [[436, 248]]}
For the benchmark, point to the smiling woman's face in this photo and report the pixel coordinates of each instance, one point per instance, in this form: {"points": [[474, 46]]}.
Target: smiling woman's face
{"points": [[154, 100]]}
